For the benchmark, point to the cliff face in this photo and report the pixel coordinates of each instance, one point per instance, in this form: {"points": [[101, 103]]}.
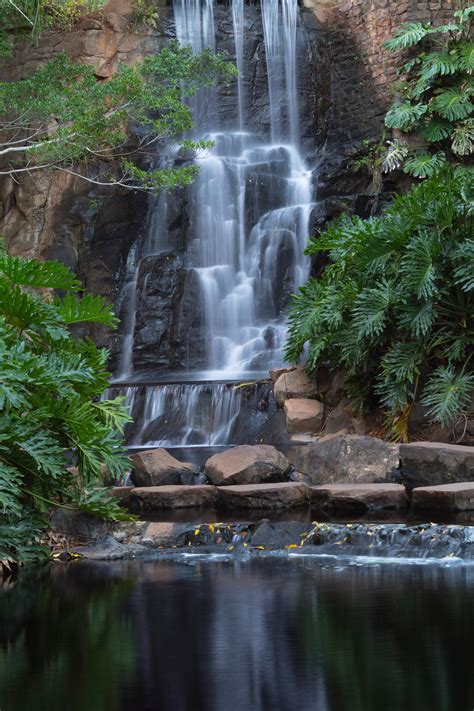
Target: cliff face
{"points": [[344, 78]]}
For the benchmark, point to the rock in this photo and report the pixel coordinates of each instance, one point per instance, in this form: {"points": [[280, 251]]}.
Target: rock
{"points": [[156, 467], [109, 549], [264, 496], [178, 535], [303, 415], [122, 493], [154, 498], [348, 458], [337, 420], [280, 534], [247, 465], [277, 372], [298, 476], [433, 463], [76, 524], [445, 497], [295, 384], [359, 497]]}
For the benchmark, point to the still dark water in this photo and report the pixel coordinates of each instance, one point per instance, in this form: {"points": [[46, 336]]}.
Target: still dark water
{"points": [[264, 634]]}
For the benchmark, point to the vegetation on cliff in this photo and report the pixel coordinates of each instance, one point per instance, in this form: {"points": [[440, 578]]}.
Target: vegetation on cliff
{"points": [[62, 116], [395, 306], [52, 416], [434, 104]]}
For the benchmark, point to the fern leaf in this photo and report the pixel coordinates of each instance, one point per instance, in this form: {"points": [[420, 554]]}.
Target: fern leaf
{"points": [[466, 57], [417, 266], [446, 394], [440, 64], [88, 309], [371, 310], [42, 275], [405, 115], [452, 104], [463, 138], [396, 153], [424, 165], [436, 130], [463, 257], [407, 35]]}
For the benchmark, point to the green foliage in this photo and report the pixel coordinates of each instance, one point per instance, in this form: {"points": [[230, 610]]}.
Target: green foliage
{"points": [[395, 308], [435, 101], [61, 115], [144, 15], [51, 413]]}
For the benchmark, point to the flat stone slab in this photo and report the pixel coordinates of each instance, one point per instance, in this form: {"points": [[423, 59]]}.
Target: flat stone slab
{"points": [[445, 497], [153, 498], [264, 496], [433, 463], [359, 497]]}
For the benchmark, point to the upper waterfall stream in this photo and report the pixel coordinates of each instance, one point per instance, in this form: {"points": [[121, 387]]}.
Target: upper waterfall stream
{"points": [[248, 211]]}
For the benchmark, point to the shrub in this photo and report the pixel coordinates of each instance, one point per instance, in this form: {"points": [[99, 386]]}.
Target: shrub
{"points": [[395, 308], [52, 416]]}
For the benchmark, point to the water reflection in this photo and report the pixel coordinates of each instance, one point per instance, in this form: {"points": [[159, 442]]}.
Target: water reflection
{"points": [[257, 635]]}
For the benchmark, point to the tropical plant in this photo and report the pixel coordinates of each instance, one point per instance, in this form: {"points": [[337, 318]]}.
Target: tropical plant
{"points": [[395, 308], [435, 97], [52, 415], [62, 116]]}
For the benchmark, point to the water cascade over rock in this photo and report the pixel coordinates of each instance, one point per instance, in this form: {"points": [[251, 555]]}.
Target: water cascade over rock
{"points": [[238, 252]]}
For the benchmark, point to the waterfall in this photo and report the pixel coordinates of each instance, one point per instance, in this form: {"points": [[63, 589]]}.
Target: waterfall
{"points": [[248, 216]]}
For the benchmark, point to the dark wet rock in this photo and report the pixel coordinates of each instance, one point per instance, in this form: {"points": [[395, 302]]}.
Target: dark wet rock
{"points": [[433, 463], [155, 498], [264, 496], [445, 497], [359, 497], [279, 535], [109, 549], [248, 465], [76, 524], [303, 415], [180, 535], [156, 467], [348, 458]]}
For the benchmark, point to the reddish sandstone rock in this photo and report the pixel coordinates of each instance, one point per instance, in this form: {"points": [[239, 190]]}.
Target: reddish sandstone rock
{"points": [[303, 415], [156, 467], [247, 465], [295, 384]]}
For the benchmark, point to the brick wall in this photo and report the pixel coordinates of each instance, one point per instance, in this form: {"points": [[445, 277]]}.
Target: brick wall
{"points": [[361, 69]]}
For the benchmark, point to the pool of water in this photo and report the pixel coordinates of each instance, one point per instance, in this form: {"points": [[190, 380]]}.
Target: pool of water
{"points": [[231, 634]]}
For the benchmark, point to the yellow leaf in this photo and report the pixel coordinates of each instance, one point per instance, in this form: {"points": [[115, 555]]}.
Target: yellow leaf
{"points": [[196, 532], [293, 545]]}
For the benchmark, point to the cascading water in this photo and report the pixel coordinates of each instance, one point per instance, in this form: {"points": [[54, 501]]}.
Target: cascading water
{"points": [[248, 210]]}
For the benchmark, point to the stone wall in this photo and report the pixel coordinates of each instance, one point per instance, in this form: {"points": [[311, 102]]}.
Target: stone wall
{"points": [[362, 71]]}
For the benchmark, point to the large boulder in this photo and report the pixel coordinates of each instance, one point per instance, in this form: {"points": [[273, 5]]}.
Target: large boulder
{"points": [[445, 497], [433, 463], [303, 415], [359, 497], [155, 498], [248, 465], [264, 496], [156, 467], [295, 384], [348, 458]]}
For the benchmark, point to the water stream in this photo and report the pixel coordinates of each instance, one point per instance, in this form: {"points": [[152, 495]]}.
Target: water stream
{"points": [[248, 212]]}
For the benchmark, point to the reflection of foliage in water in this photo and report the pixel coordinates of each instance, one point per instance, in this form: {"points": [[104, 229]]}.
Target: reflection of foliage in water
{"points": [[381, 647], [63, 647]]}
